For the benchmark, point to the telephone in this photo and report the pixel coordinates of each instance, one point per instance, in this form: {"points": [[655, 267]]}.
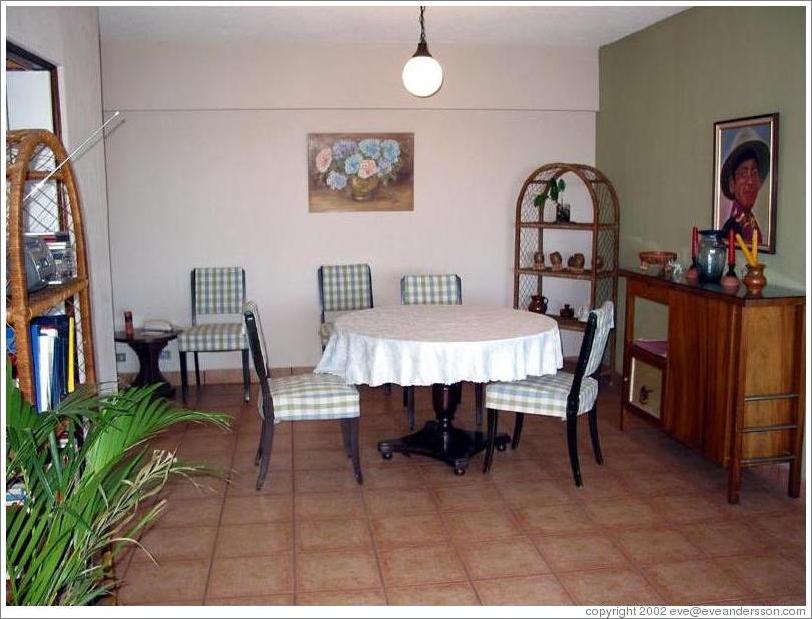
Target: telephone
{"points": [[159, 325]]}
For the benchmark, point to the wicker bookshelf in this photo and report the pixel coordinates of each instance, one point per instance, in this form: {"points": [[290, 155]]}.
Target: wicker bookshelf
{"points": [[31, 155], [603, 230]]}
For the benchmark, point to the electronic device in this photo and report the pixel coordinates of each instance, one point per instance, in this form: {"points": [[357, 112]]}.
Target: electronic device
{"points": [[62, 251], [40, 268]]}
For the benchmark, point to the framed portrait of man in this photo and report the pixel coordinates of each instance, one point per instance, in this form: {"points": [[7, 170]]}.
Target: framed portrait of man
{"points": [[745, 187]]}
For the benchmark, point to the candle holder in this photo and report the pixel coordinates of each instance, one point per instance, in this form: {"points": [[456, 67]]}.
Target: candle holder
{"points": [[754, 279]]}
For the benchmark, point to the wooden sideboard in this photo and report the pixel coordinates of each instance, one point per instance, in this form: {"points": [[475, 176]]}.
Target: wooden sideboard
{"points": [[732, 372]]}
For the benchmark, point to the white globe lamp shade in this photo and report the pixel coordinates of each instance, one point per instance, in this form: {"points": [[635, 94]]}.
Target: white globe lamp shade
{"points": [[422, 75]]}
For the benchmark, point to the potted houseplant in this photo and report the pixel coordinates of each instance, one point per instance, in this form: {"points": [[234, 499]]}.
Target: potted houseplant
{"points": [[553, 191], [75, 479]]}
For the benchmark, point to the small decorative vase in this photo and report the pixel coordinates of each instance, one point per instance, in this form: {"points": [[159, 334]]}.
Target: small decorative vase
{"points": [[538, 304], [555, 261], [712, 256], [567, 311], [538, 261], [363, 189], [754, 279]]}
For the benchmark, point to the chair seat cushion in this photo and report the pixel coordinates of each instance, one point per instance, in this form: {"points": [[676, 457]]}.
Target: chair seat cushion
{"points": [[325, 331], [213, 337], [313, 396], [541, 395]]}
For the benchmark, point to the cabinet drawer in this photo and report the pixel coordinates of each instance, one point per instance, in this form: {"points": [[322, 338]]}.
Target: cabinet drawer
{"points": [[767, 444], [646, 387], [770, 412]]}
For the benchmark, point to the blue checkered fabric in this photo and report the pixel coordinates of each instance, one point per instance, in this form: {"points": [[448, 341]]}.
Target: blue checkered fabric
{"points": [[541, 395], [431, 290], [605, 316], [219, 290], [346, 287], [213, 338], [305, 397]]}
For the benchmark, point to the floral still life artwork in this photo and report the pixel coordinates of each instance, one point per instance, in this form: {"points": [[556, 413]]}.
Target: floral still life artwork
{"points": [[360, 171]]}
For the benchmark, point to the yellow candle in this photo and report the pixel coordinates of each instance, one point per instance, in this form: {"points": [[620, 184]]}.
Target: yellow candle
{"points": [[755, 246], [744, 249]]}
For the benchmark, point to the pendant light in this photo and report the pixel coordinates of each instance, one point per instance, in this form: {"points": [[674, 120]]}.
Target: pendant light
{"points": [[422, 74]]}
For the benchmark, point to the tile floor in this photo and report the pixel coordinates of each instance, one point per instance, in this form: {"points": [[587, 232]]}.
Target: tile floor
{"points": [[650, 526]]}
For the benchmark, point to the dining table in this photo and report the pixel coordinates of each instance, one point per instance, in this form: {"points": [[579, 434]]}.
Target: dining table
{"points": [[441, 346]]}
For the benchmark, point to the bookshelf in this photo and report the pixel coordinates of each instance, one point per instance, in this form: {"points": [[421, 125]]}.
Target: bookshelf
{"points": [[34, 209]]}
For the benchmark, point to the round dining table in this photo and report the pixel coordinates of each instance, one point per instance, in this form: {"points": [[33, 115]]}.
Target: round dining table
{"points": [[441, 346]]}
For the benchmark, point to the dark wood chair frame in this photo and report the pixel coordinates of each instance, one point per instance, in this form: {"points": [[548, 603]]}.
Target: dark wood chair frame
{"points": [[408, 391], [184, 383], [573, 404], [349, 427]]}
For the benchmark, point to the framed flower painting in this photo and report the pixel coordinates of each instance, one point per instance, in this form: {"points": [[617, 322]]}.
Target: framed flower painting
{"points": [[360, 172]]}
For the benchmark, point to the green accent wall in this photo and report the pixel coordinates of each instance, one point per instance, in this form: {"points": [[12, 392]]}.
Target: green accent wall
{"points": [[662, 89]]}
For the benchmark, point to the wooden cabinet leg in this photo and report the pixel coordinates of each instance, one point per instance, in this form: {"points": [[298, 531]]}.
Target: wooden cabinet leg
{"points": [[794, 484], [734, 481]]}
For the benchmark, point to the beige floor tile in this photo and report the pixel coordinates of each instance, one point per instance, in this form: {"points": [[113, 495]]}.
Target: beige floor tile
{"points": [[483, 496], [316, 459], [768, 575], [254, 540], [261, 508], [190, 512], [580, 551], [696, 582], [542, 493], [393, 477], [526, 591], [329, 480], [727, 538], [409, 530], [503, 558], [555, 519], [610, 586], [371, 597], [481, 526], [452, 594], [387, 502], [251, 576], [336, 570], [329, 506], [176, 543], [282, 599], [626, 512], [423, 565], [333, 534], [657, 545], [243, 482], [688, 508], [172, 581]]}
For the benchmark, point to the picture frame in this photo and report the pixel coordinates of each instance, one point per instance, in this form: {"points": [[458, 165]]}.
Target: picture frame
{"points": [[360, 172], [745, 178]]}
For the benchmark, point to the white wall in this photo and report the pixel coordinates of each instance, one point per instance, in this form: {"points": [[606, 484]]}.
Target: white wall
{"points": [[209, 168], [68, 37]]}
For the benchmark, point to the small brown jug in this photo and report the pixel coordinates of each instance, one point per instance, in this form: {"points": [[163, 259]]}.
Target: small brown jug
{"points": [[538, 304]]}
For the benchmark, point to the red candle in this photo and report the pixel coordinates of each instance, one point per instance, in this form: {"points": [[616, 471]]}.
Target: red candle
{"points": [[731, 247]]}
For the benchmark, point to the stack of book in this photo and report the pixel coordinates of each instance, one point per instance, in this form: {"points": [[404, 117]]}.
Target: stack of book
{"points": [[53, 348]]}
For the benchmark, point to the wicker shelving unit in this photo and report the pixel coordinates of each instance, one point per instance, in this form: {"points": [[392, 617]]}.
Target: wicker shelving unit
{"points": [[31, 155], [604, 227]]}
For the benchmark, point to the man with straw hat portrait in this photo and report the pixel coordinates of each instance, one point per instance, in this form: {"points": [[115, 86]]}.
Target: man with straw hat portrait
{"points": [[745, 169]]}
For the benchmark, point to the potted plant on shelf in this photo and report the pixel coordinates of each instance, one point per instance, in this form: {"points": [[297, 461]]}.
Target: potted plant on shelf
{"points": [[553, 191], [76, 478]]}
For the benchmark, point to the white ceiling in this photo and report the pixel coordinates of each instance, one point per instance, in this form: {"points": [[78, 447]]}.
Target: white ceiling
{"points": [[577, 26]]}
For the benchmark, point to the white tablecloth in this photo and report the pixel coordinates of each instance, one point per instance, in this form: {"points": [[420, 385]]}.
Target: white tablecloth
{"points": [[427, 344]]}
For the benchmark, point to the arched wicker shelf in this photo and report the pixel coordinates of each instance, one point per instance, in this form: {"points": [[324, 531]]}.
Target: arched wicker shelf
{"points": [[604, 229], [31, 155]]}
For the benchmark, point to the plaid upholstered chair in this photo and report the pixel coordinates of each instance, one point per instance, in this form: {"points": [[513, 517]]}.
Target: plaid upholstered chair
{"points": [[430, 290], [562, 395], [215, 291], [342, 288], [305, 397]]}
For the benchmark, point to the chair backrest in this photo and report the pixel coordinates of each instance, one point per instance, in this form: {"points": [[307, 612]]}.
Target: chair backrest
{"points": [[598, 325], [431, 290], [217, 290], [344, 287], [256, 343]]}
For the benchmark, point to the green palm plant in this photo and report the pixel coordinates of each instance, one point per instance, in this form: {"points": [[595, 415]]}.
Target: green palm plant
{"points": [[83, 472]]}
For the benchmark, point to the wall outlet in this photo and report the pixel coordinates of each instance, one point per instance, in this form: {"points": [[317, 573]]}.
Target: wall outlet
{"points": [[121, 357], [166, 354]]}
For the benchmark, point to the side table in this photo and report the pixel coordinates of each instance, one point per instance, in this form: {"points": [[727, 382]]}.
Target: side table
{"points": [[148, 346]]}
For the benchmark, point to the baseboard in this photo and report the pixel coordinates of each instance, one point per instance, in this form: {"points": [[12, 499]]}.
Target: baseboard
{"points": [[228, 376]]}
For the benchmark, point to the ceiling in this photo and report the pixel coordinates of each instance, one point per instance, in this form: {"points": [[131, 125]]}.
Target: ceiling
{"points": [[576, 26]]}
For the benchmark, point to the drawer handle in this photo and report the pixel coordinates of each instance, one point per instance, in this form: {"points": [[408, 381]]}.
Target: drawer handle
{"points": [[645, 392]]}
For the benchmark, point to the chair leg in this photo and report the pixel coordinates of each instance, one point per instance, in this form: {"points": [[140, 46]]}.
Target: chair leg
{"points": [[517, 430], [479, 404], [387, 389], [593, 433], [493, 424], [246, 376], [266, 442], [184, 383], [572, 447], [197, 371], [345, 436], [409, 393], [355, 448], [406, 396], [258, 457]]}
